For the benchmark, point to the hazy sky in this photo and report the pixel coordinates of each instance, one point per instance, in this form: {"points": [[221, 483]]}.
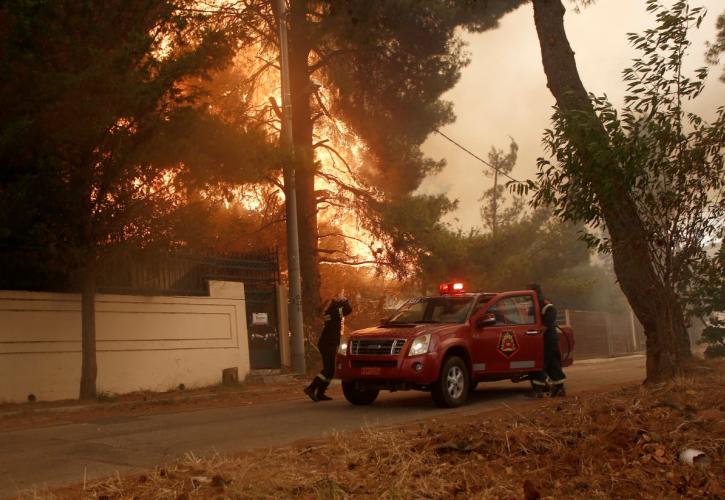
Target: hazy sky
{"points": [[503, 91]]}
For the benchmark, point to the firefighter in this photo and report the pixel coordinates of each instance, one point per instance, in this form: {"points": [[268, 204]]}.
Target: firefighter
{"points": [[552, 355], [334, 310]]}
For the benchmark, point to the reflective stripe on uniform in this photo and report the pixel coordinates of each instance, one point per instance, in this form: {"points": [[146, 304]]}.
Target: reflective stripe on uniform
{"points": [[322, 377], [547, 306], [538, 382], [557, 382]]}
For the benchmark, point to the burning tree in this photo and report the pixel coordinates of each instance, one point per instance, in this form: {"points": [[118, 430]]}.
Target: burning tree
{"points": [[103, 141], [367, 77]]}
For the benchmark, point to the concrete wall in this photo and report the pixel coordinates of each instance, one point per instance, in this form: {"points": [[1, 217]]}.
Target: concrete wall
{"points": [[143, 343]]}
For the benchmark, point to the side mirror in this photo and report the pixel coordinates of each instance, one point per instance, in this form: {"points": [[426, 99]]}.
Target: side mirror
{"points": [[486, 320]]}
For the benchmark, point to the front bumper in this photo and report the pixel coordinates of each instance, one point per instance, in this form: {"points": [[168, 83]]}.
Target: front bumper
{"points": [[394, 371]]}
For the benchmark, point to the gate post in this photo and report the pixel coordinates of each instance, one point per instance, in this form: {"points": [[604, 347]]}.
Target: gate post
{"points": [[285, 353]]}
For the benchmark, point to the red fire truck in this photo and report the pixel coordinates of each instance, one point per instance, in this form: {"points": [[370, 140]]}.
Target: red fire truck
{"points": [[446, 344]]}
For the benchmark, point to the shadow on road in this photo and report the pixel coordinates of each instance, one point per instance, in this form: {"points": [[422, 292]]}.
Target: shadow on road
{"points": [[422, 401]]}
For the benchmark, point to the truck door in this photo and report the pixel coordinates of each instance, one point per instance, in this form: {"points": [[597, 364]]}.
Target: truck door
{"points": [[514, 343]]}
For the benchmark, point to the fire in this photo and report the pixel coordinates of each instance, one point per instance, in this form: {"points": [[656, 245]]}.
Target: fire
{"points": [[340, 155], [339, 164], [252, 88]]}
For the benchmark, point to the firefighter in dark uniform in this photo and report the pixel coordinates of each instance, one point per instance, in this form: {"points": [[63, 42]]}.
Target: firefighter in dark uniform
{"points": [[552, 355], [334, 310]]}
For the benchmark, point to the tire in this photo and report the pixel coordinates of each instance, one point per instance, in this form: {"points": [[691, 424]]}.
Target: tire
{"points": [[451, 388], [358, 396]]}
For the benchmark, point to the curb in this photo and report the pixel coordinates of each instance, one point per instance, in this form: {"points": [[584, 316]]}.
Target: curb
{"points": [[254, 382], [596, 361]]}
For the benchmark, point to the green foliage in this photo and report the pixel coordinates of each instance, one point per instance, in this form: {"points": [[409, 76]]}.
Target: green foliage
{"points": [[408, 229], [389, 62], [400, 57], [708, 301], [667, 160], [536, 248], [718, 46], [714, 337]]}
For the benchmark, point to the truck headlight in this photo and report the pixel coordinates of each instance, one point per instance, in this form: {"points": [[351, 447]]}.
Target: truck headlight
{"points": [[342, 348], [419, 345]]}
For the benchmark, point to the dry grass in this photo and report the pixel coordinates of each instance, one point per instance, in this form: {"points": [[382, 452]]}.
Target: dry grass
{"points": [[620, 444]]}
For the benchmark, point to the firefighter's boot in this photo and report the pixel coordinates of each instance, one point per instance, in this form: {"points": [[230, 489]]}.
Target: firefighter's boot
{"points": [[321, 396], [311, 390], [558, 390], [537, 391]]}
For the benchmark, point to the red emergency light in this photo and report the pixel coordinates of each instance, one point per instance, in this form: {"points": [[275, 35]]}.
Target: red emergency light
{"points": [[450, 288]]}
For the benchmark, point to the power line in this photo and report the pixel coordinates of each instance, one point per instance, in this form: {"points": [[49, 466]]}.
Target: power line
{"points": [[475, 156]]}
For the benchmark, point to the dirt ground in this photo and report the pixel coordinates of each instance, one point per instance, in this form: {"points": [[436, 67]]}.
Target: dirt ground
{"points": [[623, 443], [15, 416]]}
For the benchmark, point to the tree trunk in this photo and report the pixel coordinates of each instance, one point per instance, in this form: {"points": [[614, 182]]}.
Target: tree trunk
{"points": [[302, 128], [655, 304], [89, 368]]}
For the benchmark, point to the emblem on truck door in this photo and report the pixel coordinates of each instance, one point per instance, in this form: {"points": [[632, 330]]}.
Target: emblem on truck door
{"points": [[507, 343]]}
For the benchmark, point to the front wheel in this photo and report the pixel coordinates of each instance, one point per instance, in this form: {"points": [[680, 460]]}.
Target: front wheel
{"points": [[451, 388], [358, 396]]}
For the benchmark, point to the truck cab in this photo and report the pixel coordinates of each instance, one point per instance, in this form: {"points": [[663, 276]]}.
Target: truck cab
{"points": [[447, 344]]}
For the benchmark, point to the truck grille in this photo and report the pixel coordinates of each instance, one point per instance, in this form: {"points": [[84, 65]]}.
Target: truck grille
{"points": [[377, 347], [374, 363]]}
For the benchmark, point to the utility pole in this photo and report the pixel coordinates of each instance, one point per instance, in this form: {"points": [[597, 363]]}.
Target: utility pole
{"points": [[293, 244], [495, 202]]}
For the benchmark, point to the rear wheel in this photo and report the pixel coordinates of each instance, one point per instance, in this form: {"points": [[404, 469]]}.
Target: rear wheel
{"points": [[358, 396], [451, 388]]}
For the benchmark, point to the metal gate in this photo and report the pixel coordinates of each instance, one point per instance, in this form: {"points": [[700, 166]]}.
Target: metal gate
{"points": [[602, 334], [262, 325]]}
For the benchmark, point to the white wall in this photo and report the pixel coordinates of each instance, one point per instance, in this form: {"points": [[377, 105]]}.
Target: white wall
{"points": [[143, 343]]}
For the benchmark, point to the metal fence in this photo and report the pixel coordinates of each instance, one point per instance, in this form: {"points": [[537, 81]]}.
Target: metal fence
{"points": [[32, 269], [603, 334], [169, 273], [183, 274]]}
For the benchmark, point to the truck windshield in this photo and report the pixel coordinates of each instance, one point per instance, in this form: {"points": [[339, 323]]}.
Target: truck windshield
{"points": [[433, 310]]}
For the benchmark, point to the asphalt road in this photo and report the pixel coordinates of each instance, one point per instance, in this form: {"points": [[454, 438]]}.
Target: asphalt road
{"points": [[51, 456]]}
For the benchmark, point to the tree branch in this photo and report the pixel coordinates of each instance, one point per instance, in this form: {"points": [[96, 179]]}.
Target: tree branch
{"points": [[328, 235], [340, 157], [355, 190], [275, 107], [346, 262]]}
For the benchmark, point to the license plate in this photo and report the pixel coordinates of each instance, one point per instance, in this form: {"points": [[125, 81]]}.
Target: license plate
{"points": [[370, 370]]}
